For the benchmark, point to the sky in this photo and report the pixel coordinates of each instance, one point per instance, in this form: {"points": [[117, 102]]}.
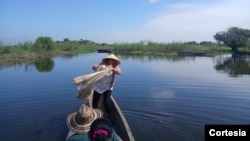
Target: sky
{"points": [[120, 21]]}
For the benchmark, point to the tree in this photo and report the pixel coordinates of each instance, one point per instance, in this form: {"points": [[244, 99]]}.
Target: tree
{"points": [[66, 40], [43, 44], [234, 38], [206, 43]]}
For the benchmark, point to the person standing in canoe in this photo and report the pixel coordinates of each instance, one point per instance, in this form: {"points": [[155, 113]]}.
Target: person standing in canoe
{"points": [[105, 85]]}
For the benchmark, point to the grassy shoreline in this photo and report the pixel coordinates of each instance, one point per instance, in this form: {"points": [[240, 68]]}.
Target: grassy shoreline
{"points": [[28, 52]]}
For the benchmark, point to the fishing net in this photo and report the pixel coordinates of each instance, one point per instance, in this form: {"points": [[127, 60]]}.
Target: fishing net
{"points": [[86, 82]]}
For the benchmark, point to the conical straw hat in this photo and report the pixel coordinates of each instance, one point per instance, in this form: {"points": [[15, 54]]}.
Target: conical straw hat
{"points": [[112, 56]]}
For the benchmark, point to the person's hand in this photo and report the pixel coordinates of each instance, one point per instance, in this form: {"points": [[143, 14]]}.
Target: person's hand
{"points": [[101, 67], [117, 70], [114, 69]]}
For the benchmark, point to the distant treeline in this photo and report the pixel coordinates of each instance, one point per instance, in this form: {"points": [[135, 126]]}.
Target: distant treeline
{"points": [[232, 40], [46, 46]]}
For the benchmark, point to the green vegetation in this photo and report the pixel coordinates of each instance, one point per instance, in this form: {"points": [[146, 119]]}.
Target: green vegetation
{"points": [[44, 47], [169, 48], [235, 38]]}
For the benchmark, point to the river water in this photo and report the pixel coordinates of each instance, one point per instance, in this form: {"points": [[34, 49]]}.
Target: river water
{"points": [[163, 98]]}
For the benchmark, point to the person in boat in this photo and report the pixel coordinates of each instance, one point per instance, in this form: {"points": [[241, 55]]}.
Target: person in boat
{"points": [[79, 122], [105, 85], [100, 130]]}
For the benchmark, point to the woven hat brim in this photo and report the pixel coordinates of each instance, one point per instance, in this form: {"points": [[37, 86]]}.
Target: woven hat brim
{"points": [[112, 56], [84, 127]]}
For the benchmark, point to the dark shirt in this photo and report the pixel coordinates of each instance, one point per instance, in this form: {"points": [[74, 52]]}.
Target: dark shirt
{"points": [[84, 137]]}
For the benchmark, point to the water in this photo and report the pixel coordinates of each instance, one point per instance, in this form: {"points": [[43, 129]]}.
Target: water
{"points": [[163, 98]]}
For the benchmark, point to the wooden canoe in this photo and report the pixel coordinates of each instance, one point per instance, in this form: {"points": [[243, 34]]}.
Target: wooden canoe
{"points": [[117, 118]]}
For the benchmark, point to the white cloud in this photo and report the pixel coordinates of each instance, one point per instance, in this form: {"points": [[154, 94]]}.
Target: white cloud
{"points": [[191, 22]]}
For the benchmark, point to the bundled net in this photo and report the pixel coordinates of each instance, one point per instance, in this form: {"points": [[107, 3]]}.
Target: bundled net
{"points": [[86, 82]]}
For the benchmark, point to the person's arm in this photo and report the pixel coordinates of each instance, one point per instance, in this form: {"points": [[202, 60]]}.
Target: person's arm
{"points": [[117, 70], [94, 67]]}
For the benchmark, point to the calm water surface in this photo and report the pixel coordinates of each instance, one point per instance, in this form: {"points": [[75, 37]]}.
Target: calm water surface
{"points": [[163, 98]]}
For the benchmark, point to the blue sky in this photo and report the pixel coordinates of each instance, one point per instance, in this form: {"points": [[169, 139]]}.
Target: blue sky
{"points": [[120, 21]]}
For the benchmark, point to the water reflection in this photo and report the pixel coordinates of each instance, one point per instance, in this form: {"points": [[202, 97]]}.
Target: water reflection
{"points": [[230, 64], [41, 65], [233, 65], [154, 57], [44, 65]]}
